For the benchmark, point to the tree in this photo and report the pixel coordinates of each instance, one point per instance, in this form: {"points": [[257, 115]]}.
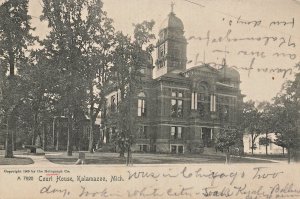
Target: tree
{"points": [[123, 69], [265, 109], [74, 44], [99, 56], [250, 122], [39, 81], [226, 140], [15, 38], [286, 115], [265, 141], [129, 55]]}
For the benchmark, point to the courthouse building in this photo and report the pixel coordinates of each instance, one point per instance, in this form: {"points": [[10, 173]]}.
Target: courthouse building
{"points": [[180, 109]]}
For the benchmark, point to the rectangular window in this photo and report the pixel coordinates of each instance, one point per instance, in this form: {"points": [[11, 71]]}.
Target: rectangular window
{"points": [[173, 149], [180, 94], [194, 101], [177, 93], [176, 149], [180, 149], [162, 51], [173, 131], [179, 132], [212, 103], [145, 132], [176, 132], [142, 132], [180, 108], [143, 148], [176, 108], [141, 107], [177, 103]]}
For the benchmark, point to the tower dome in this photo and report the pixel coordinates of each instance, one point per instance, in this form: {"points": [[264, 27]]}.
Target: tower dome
{"points": [[172, 21], [171, 46]]}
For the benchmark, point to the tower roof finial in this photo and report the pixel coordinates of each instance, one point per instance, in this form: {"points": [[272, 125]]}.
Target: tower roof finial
{"points": [[172, 6]]}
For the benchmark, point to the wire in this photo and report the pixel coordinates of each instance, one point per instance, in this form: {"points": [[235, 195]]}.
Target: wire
{"points": [[192, 2]]}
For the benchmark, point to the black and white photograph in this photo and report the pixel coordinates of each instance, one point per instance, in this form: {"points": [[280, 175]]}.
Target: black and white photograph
{"points": [[132, 96]]}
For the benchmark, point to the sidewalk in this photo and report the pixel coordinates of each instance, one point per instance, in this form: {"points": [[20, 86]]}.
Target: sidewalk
{"points": [[43, 161], [39, 160], [255, 158]]}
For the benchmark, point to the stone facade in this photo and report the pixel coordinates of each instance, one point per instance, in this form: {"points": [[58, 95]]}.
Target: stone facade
{"points": [[180, 110]]}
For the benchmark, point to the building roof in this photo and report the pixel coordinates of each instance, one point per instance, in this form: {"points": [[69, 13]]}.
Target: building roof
{"points": [[172, 22], [230, 73]]}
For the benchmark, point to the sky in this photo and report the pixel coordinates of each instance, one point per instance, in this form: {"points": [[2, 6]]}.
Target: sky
{"points": [[257, 37]]}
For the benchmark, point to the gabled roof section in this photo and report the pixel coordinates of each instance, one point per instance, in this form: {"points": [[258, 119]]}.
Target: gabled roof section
{"points": [[205, 68]]}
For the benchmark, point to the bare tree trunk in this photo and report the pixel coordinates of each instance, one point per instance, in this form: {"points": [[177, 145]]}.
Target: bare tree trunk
{"points": [[11, 84], [44, 136], [35, 128], [13, 136], [70, 133], [8, 141], [267, 143], [122, 154], [91, 137], [227, 160], [128, 161], [289, 155], [252, 144]]}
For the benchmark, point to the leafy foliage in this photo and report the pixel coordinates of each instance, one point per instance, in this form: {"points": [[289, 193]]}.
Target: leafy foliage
{"points": [[251, 122], [129, 56], [286, 115], [15, 38], [226, 139]]}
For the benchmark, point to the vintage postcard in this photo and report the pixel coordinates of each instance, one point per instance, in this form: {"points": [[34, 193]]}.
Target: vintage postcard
{"points": [[149, 99]]}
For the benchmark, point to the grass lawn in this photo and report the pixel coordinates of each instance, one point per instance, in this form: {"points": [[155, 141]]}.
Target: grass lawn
{"points": [[15, 161], [270, 156], [146, 158]]}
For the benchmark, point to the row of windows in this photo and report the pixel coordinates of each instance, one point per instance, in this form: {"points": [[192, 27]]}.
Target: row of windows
{"points": [[201, 102], [174, 148], [176, 132], [177, 108]]}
